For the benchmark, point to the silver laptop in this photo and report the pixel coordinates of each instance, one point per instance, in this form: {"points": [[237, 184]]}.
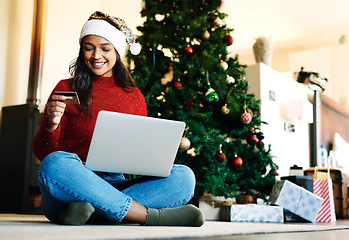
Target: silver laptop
{"points": [[133, 144]]}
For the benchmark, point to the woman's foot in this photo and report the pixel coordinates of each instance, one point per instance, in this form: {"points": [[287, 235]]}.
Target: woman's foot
{"points": [[187, 215], [77, 213]]}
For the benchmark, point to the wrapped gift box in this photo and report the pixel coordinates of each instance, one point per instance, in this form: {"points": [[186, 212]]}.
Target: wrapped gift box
{"points": [[252, 213], [211, 206], [295, 199], [296, 171]]}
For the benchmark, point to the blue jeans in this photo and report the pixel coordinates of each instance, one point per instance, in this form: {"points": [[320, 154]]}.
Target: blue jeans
{"points": [[63, 179]]}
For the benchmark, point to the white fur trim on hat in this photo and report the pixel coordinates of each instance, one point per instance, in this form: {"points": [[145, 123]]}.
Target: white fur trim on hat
{"points": [[107, 31]]}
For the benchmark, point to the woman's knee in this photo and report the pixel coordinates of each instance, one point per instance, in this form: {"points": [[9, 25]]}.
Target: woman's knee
{"points": [[56, 162], [185, 176], [59, 175], [58, 158]]}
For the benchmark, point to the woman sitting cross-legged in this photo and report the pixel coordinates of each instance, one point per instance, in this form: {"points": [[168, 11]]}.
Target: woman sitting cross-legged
{"points": [[72, 193]]}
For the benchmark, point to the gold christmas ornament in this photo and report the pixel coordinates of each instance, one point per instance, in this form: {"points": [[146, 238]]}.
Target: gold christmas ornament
{"points": [[230, 79], [184, 144], [224, 65], [205, 36], [225, 110], [218, 22], [159, 17]]}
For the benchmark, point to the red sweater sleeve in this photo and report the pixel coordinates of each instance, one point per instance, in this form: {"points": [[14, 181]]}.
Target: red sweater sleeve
{"points": [[46, 141]]}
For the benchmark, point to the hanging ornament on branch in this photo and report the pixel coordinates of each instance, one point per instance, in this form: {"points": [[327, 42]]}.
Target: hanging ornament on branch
{"points": [[275, 172], [205, 36], [220, 156], [224, 65], [184, 145], [235, 163], [246, 117], [218, 22], [159, 17], [225, 109], [177, 85], [252, 139], [228, 40], [188, 51], [260, 136], [211, 94], [230, 79]]}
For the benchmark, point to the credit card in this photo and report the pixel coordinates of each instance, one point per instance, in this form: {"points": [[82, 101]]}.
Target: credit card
{"points": [[72, 97]]}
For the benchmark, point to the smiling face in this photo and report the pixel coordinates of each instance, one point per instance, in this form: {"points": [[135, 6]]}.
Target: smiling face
{"points": [[99, 55]]}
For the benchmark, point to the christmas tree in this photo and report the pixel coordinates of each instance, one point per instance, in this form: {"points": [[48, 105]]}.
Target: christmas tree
{"points": [[185, 74]]}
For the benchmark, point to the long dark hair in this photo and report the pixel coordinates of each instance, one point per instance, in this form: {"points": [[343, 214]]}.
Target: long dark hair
{"points": [[83, 78]]}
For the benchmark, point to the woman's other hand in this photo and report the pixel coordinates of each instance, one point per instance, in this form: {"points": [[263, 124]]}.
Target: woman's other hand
{"points": [[54, 109]]}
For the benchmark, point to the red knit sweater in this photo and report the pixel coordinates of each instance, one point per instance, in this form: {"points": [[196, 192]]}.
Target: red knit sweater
{"points": [[75, 130]]}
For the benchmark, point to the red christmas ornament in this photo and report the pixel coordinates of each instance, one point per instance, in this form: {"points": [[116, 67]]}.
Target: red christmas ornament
{"points": [[177, 85], [252, 139], [188, 50], [227, 39], [236, 162], [246, 118], [220, 156], [276, 172]]}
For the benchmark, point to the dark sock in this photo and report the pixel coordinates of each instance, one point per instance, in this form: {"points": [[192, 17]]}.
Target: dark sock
{"points": [[188, 215], [77, 213]]}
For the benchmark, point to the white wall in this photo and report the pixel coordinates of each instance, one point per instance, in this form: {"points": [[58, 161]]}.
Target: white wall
{"points": [[4, 19], [340, 75], [332, 61], [18, 15]]}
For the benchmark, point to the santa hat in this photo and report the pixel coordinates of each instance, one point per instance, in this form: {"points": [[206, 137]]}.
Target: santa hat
{"points": [[112, 29]]}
